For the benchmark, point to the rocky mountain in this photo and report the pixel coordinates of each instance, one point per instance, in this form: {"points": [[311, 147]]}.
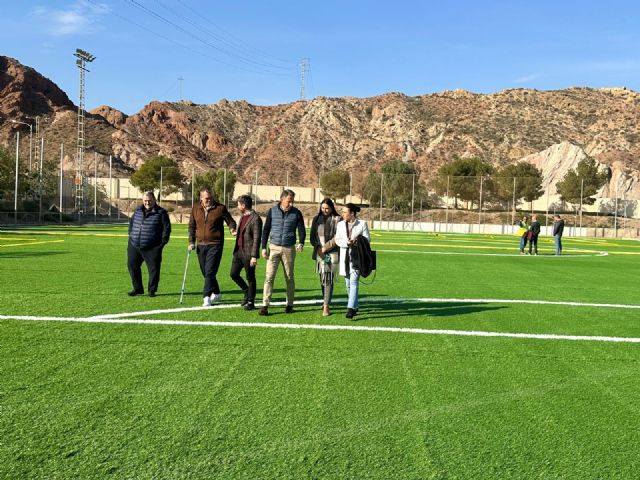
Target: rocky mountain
{"points": [[551, 129]]}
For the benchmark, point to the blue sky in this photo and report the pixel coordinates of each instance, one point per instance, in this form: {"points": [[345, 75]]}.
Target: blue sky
{"points": [[251, 49]]}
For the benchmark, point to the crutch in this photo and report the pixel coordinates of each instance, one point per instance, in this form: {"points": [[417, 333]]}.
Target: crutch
{"points": [[184, 279]]}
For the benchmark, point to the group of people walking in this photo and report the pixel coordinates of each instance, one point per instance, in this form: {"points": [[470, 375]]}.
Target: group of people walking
{"points": [[279, 240], [530, 230]]}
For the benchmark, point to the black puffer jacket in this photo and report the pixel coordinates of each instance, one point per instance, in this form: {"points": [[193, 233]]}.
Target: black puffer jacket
{"points": [[149, 229]]}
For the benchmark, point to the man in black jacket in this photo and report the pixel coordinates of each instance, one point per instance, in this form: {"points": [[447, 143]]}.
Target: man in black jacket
{"points": [[149, 231], [558, 229], [534, 231]]}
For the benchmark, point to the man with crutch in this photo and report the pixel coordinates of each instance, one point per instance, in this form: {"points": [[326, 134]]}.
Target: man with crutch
{"points": [[206, 236], [247, 250]]}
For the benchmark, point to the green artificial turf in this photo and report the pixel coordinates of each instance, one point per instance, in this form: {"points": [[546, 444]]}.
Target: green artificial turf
{"points": [[189, 401]]}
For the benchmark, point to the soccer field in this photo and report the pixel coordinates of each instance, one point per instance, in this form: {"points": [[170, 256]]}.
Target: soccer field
{"points": [[467, 360]]}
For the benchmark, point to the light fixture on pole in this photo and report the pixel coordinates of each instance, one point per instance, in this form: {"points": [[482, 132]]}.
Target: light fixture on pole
{"points": [[30, 138], [82, 57]]}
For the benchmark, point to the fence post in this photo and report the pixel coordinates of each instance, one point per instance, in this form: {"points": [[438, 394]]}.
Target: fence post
{"points": [[446, 228], [513, 209], [581, 190], [480, 204], [413, 193], [110, 189], [615, 216], [15, 192], [95, 186], [40, 180], [61, 178], [381, 182]]}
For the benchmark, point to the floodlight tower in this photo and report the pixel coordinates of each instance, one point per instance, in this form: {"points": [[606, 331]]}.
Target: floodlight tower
{"points": [[82, 57]]}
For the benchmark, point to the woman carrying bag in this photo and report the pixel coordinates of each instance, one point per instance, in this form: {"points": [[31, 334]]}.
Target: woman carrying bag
{"points": [[325, 250], [348, 231]]}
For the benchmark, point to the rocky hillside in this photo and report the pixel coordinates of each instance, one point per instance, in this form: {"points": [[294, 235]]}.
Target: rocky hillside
{"points": [[549, 128]]}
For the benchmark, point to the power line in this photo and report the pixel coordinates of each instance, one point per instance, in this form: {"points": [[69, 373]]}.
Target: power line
{"points": [[196, 37], [171, 40], [208, 32], [238, 43]]}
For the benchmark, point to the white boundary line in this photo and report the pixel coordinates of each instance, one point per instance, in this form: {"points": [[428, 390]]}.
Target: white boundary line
{"points": [[374, 300], [293, 326], [471, 254]]}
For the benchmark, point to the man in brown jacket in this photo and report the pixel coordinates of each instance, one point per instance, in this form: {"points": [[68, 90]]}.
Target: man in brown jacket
{"points": [[206, 229], [247, 250]]}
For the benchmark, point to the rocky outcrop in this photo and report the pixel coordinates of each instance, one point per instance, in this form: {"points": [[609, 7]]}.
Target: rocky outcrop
{"points": [[296, 141], [113, 117]]}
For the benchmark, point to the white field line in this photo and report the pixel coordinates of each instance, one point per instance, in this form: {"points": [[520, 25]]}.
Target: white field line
{"points": [[375, 300], [473, 254], [358, 328]]}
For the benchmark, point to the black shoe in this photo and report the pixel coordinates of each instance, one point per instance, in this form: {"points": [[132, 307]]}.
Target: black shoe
{"points": [[264, 311], [355, 311], [133, 293], [350, 313], [288, 309], [245, 300], [249, 306], [152, 294]]}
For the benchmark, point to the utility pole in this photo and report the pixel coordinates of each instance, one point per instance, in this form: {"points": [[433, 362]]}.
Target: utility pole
{"points": [[82, 57], [180, 80], [304, 67]]}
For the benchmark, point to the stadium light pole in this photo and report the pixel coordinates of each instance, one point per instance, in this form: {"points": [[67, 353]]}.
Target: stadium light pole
{"points": [[30, 138]]}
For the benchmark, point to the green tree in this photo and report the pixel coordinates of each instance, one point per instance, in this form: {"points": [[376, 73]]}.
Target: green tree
{"points": [[8, 176], [147, 177], [582, 183], [399, 186], [461, 178], [215, 180], [335, 183], [528, 183]]}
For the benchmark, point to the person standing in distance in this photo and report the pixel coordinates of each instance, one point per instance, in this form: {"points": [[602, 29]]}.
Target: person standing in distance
{"points": [[558, 229], [149, 232], [247, 250], [280, 228], [346, 233], [207, 232]]}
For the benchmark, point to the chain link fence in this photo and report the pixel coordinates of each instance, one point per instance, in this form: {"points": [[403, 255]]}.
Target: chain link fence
{"points": [[47, 190]]}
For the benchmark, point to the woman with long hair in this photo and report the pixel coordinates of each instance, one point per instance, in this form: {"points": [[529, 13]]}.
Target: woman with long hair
{"points": [[325, 250], [347, 233]]}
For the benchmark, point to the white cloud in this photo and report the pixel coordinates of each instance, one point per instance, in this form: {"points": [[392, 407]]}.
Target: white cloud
{"points": [[76, 18], [527, 78]]}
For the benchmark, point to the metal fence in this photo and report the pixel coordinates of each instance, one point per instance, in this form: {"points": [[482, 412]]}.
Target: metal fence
{"points": [[47, 192]]}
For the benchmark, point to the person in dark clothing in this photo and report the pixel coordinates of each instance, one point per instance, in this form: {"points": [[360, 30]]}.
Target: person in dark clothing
{"points": [[206, 230], [558, 229], [283, 220], [247, 250], [149, 232], [534, 231], [325, 251], [523, 232]]}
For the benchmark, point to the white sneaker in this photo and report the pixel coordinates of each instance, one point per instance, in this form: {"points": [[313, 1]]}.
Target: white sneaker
{"points": [[206, 302], [216, 297]]}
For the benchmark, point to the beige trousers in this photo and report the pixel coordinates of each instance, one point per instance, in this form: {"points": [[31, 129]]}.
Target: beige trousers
{"points": [[277, 254]]}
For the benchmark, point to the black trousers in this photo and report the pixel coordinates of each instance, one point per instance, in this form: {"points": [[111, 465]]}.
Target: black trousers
{"points": [[533, 242], [153, 258], [237, 264], [209, 257]]}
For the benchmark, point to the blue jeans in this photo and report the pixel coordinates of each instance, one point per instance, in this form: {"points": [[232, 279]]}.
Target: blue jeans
{"points": [[353, 284], [558, 240]]}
